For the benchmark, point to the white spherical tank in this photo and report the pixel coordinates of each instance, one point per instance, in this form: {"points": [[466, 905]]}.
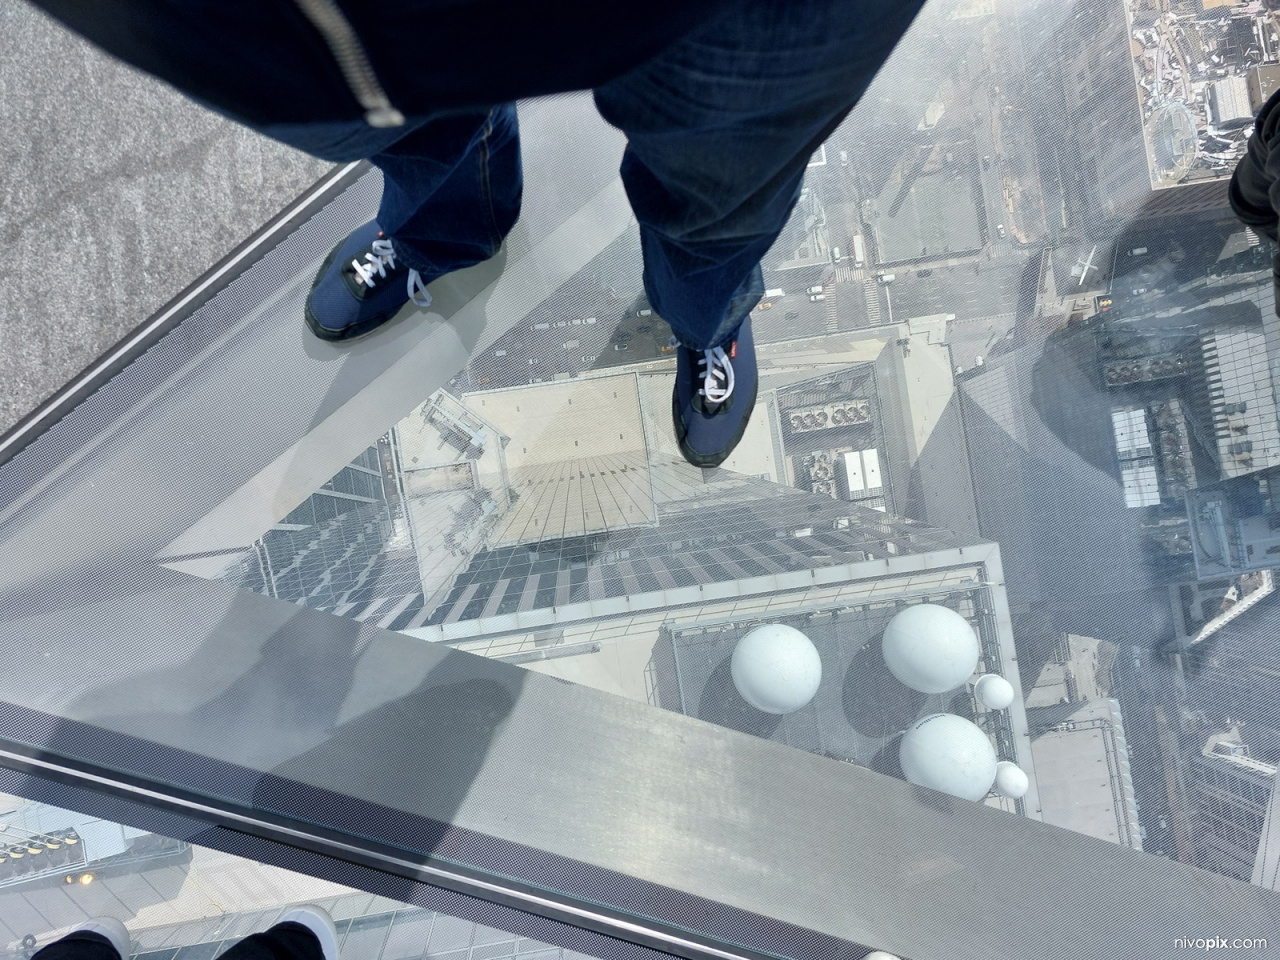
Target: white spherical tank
{"points": [[949, 754], [1011, 780], [776, 668], [994, 691], [930, 648]]}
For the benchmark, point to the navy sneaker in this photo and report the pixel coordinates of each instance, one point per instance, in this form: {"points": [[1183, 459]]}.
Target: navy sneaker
{"points": [[361, 285], [714, 396]]}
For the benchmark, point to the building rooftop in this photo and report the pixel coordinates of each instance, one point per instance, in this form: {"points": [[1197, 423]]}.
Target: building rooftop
{"points": [[1200, 68], [1084, 771]]}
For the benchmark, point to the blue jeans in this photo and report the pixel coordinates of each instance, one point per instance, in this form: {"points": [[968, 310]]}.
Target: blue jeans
{"points": [[719, 128]]}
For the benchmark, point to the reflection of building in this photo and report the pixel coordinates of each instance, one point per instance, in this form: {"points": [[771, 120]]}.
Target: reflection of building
{"points": [[1235, 673], [1095, 441], [1231, 791], [1232, 682], [1266, 866], [1080, 747], [1138, 86], [1194, 64], [1050, 489]]}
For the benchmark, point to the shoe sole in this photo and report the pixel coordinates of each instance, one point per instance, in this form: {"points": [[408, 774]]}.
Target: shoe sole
{"points": [[704, 460], [353, 332]]}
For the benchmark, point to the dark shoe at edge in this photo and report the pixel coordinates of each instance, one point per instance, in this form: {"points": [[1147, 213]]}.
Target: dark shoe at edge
{"points": [[360, 286]]}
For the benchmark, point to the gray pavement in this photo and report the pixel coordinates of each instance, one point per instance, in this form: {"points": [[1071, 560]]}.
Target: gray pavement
{"points": [[115, 194]]}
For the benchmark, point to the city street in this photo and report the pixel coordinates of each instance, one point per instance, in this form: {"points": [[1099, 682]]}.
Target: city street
{"points": [[968, 293]]}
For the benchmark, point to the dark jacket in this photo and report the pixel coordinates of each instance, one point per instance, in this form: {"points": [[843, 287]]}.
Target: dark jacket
{"points": [[282, 61], [1255, 185]]}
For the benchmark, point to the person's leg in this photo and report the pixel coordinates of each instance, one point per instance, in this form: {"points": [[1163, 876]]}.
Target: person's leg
{"points": [[451, 192], [720, 127]]}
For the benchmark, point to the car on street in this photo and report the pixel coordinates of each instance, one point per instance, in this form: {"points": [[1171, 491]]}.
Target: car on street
{"points": [[924, 273], [622, 346], [1000, 232], [815, 289], [588, 358], [534, 360], [815, 297]]}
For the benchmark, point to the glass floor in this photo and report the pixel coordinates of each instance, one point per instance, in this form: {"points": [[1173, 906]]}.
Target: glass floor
{"points": [[451, 596]]}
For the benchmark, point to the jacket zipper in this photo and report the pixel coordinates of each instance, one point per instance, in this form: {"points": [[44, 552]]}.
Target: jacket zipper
{"points": [[346, 48]]}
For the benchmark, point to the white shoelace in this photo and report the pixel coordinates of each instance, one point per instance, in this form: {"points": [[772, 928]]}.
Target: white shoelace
{"points": [[717, 382], [381, 256]]}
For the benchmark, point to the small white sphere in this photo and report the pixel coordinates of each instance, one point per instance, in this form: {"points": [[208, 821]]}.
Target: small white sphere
{"points": [[776, 668], [949, 754], [930, 648], [1011, 780], [994, 691]]}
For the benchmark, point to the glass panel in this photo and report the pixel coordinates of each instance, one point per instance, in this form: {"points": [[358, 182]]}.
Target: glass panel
{"points": [[1016, 371], [1054, 351]]}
